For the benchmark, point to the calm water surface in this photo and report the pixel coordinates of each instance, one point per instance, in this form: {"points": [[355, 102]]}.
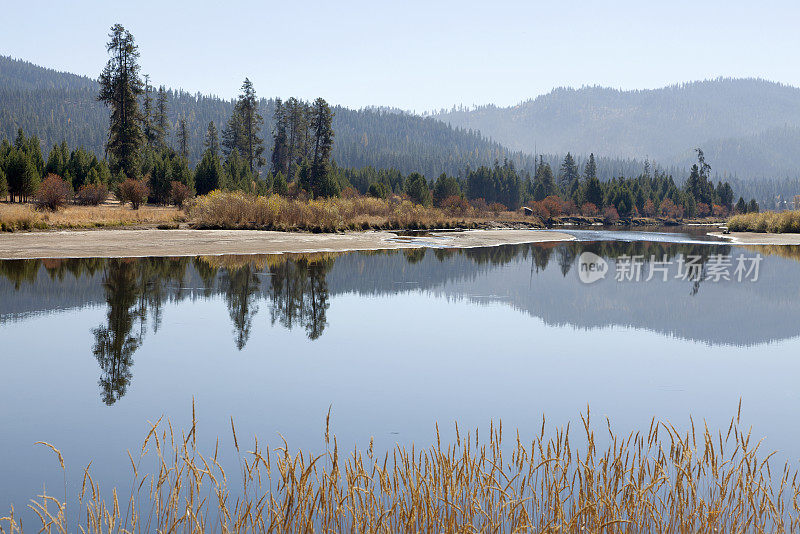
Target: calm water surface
{"points": [[91, 350]]}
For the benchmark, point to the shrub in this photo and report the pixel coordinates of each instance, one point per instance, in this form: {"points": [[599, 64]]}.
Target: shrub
{"points": [[479, 204], [455, 205], [669, 209], [179, 193], [379, 190], [497, 207], [53, 193], [769, 221], [569, 207], [719, 211], [553, 205], [610, 214], [133, 191], [589, 210], [649, 208], [91, 194], [703, 210]]}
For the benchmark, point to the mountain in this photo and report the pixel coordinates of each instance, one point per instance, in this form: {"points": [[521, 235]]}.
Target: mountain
{"points": [[56, 105], [747, 127]]}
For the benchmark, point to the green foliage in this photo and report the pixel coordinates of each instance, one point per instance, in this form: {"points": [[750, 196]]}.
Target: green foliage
{"points": [[3, 184], [500, 184], [379, 190], [416, 187], [279, 185], [208, 174], [543, 183], [445, 187], [120, 87]]}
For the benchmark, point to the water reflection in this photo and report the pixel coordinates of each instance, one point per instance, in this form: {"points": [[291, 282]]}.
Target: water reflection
{"points": [[537, 279]]}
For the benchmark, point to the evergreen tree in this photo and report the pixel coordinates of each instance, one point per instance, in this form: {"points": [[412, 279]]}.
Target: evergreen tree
{"points": [[120, 87], [446, 186], [212, 139], [417, 189], [148, 114], [280, 147], [183, 138], [208, 175], [161, 180], [232, 134], [590, 170], [741, 206], [568, 173], [543, 184], [3, 185], [161, 122], [593, 192], [322, 126], [252, 146], [753, 206]]}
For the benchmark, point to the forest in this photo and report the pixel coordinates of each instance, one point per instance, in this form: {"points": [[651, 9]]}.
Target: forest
{"points": [[293, 155]]}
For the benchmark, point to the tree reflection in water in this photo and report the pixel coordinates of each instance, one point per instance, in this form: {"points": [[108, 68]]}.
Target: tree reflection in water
{"points": [[298, 294]]}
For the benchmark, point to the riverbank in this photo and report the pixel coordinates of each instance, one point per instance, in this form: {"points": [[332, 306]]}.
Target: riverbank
{"points": [[135, 243], [758, 238]]}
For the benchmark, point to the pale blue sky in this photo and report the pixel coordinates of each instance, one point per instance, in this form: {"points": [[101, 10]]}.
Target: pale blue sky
{"points": [[416, 55]]}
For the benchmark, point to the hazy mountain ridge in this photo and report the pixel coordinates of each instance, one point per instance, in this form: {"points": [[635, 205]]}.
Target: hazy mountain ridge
{"points": [[56, 106], [746, 126]]}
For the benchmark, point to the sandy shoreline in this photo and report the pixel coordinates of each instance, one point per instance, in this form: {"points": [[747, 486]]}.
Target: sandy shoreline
{"points": [[755, 238], [139, 243]]}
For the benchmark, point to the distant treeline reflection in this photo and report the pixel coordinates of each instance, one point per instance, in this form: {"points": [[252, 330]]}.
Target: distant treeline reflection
{"points": [[295, 286]]}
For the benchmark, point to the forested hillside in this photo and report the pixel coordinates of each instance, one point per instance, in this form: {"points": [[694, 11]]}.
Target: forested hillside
{"points": [[747, 127], [58, 106]]}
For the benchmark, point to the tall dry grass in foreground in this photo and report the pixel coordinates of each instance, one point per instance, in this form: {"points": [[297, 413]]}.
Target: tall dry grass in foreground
{"points": [[656, 480], [14, 217], [769, 221], [223, 209]]}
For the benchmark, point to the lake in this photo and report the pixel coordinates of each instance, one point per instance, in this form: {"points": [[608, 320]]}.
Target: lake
{"points": [[392, 342]]}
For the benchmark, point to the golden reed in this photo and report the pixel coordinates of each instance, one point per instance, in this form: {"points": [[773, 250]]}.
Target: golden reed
{"points": [[655, 480]]}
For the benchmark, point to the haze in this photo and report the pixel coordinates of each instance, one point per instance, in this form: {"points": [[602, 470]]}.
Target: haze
{"points": [[415, 55]]}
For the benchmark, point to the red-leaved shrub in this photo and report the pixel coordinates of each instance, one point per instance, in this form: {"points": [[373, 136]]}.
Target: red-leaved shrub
{"points": [[133, 191], [53, 193], [179, 193], [91, 194]]}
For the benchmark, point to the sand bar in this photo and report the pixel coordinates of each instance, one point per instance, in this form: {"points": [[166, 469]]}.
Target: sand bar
{"points": [[137, 243], [756, 238]]}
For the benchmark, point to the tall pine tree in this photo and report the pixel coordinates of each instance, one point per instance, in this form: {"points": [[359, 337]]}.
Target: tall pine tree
{"points": [[120, 87]]}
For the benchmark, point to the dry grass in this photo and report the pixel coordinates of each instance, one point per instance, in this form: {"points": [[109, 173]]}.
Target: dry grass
{"points": [[659, 479], [231, 210], [769, 221], [26, 217]]}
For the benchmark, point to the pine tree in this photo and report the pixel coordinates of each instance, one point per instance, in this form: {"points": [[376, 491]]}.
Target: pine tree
{"points": [[280, 148], [120, 87], [161, 122], [590, 170], [208, 174], [212, 139], [569, 172], [322, 126], [183, 138], [252, 146], [148, 114], [232, 135]]}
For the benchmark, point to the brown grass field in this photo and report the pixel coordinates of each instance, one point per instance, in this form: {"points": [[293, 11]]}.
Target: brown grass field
{"points": [[15, 217], [772, 222], [656, 479]]}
